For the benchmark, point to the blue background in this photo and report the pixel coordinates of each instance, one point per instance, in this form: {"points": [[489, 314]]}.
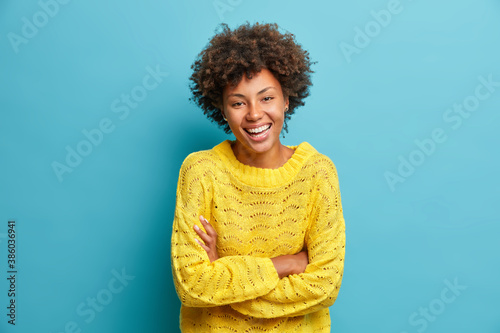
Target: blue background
{"points": [[112, 214]]}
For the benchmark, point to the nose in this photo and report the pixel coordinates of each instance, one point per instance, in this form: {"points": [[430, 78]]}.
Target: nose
{"points": [[254, 113]]}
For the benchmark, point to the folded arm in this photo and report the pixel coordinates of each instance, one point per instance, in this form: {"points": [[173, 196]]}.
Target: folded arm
{"points": [[201, 283], [285, 265]]}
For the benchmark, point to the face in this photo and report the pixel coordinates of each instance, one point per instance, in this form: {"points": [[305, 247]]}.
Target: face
{"points": [[254, 110]]}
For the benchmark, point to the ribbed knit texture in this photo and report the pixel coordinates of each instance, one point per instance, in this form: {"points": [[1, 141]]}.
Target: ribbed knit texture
{"points": [[258, 214]]}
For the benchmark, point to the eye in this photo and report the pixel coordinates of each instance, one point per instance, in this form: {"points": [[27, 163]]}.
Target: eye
{"points": [[267, 99], [236, 104]]}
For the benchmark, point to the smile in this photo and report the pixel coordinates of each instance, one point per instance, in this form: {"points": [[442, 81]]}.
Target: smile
{"points": [[259, 131]]}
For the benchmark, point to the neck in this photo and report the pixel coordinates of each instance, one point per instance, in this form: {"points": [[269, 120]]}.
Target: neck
{"points": [[274, 158]]}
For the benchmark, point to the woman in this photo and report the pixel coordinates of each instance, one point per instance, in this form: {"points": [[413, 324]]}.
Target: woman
{"points": [[258, 236]]}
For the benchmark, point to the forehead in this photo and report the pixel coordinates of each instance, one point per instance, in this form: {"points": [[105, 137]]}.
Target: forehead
{"points": [[260, 80]]}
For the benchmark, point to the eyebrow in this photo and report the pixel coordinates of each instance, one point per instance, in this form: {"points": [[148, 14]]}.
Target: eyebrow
{"points": [[260, 92]]}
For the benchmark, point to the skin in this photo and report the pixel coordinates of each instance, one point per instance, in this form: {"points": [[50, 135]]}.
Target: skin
{"points": [[252, 103]]}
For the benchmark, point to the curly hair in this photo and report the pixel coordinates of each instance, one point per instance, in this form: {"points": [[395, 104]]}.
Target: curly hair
{"points": [[247, 50]]}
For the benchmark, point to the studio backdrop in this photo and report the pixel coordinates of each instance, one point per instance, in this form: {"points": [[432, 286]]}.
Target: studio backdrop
{"points": [[95, 121]]}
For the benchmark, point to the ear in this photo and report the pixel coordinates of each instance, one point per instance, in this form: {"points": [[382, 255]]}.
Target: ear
{"points": [[223, 115], [221, 108], [287, 103]]}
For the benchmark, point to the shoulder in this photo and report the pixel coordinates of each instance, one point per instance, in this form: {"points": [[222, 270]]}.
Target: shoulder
{"points": [[320, 170], [199, 159], [205, 157], [316, 161], [198, 164]]}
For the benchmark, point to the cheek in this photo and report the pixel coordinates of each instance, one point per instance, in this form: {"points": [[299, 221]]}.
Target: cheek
{"points": [[280, 117], [234, 125]]}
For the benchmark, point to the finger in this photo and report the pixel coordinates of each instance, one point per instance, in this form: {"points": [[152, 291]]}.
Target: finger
{"points": [[207, 239], [208, 227], [210, 230], [206, 248]]}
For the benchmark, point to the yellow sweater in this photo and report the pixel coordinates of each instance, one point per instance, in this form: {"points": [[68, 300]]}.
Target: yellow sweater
{"points": [[258, 214]]}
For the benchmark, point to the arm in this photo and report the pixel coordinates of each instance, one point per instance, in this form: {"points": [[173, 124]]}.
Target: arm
{"points": [[285, 265], [290, 264], [199, 282], [319, 285]]}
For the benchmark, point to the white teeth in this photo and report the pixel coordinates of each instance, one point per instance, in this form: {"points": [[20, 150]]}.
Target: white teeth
{"points": [[258, 129]]}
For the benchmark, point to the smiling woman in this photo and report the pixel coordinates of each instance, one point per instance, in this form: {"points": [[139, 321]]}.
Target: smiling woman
{"points": [[258, 239]]}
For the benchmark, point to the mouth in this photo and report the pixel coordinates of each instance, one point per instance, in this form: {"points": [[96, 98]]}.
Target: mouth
{"points": [[259, 131]]}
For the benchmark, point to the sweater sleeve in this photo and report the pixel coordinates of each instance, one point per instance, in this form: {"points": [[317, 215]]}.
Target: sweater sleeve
{"points": [[198, 282], [318, 286]]}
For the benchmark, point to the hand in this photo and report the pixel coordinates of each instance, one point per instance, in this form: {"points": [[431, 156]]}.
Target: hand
{"points": [[291, 263], [209, 239]]}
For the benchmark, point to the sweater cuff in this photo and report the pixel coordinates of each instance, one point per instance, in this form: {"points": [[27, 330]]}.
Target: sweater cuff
{"points": [[269, 272]]}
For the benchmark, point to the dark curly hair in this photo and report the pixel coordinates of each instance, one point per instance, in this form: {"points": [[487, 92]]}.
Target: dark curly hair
{"points": [[247, 50]]}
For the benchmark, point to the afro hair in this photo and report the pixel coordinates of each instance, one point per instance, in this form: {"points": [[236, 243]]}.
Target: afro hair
{"points": [[247, 50]]}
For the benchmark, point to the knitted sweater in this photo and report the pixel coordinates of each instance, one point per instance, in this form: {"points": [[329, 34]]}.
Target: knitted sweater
{"points": [[258, 214]]}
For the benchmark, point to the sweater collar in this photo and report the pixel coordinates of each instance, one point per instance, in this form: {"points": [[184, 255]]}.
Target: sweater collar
{"points": [[262, 177]]}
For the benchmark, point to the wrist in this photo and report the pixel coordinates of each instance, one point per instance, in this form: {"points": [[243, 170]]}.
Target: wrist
{"points": [[285, 265]]}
